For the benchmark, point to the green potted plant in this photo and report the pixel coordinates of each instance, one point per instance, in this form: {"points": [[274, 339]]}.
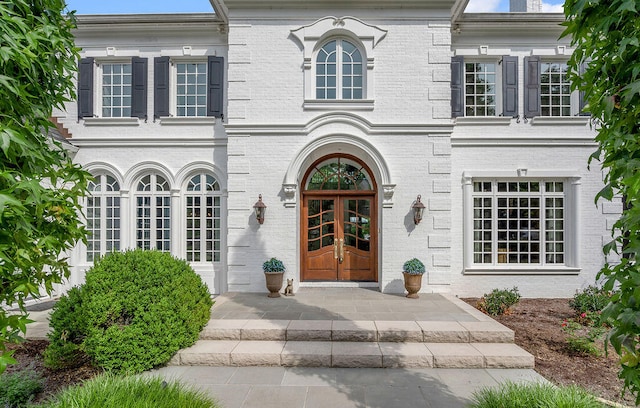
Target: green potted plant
{"points": [[273, 271], [413, 270]]}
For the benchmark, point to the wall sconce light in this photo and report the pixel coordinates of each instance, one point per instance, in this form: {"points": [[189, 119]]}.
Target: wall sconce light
{"points": [[418, 209], [260, 209]]}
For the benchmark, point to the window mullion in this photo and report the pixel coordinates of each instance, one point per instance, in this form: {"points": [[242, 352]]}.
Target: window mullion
{"points": [[338, 69], [543, 223], [494, 223]]}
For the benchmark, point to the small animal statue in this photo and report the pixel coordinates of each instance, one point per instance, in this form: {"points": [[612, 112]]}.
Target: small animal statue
{"points": [[288, 291]]}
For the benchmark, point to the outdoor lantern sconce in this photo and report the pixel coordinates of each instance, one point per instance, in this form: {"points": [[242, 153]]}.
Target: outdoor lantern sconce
{"points": [[418, 209], [260, 208]]}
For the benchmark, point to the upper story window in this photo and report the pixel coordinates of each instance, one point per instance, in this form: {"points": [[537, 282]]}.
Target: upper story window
{"points": [[116, 90], [480, 88], [112, 88], [555, 89], [339, 73], [547, 89], [188, 88], [484, 87], [191, 89], [103, 216], [339, 57]]}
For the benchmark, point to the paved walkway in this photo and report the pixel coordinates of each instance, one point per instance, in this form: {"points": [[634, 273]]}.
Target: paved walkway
{"points": [[305, 387]]}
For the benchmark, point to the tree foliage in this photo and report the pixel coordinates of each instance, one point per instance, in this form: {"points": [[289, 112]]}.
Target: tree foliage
{"points": [[606, 34], [39, 185]]}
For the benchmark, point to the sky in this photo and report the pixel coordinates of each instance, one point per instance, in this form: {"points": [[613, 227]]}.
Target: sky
{"points": [[204, 6]]}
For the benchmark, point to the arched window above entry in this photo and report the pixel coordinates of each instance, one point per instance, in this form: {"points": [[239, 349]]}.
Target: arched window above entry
{"points": [[339, 72], [339, 174], [338, 62]]}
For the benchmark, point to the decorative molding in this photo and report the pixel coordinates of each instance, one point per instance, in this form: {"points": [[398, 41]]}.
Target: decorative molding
{"points": [[521, 141], [188, 121], [148, 141], [111, 122], [483, 121], [338, 104], [560, 120], [289, 194], [388, 190]]}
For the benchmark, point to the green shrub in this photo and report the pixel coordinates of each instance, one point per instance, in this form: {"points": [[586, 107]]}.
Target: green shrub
{"points": [[135, 310], [533, 395], [582, 339], [273, 265], [498, 301], [19, 388], [109, 391], [591, 299], [413, 267]]}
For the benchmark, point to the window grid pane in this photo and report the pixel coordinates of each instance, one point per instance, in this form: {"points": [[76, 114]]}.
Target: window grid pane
{"points": [[116, 90], [203, 221], [103, 217], [351, 71], [153, 214], [480, 89], [528, 227], [191, 89], [482, 236], [326, 72], [555, 90]]}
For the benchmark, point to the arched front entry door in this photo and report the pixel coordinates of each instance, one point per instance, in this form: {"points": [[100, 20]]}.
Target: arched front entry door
{"points": [[339, 224]]}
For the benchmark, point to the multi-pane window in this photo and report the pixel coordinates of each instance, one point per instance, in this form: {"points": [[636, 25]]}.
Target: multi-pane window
{"points": [[518, 222], [203, 219], [116, 90], [480, 89], [103, 217], [153, 213], [339, 71], [555, 89], [191, 91]]}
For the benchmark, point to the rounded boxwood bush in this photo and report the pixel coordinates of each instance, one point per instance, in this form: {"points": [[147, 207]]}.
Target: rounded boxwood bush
{"points": [[413, 267], [135, 310]]}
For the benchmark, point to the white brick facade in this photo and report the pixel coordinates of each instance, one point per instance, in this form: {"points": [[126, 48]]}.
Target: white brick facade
{"points": [[273, 130]]}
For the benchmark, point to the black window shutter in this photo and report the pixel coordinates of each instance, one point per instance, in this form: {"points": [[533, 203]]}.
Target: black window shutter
{"points": [[160, 87], [509, 86], [139, 88], [85, 88], [457, 86], [215, 86], [532, 86], [583, 101]]}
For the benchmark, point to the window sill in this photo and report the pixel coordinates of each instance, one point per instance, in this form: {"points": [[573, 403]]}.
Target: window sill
{"points": [[193, 121], [338, 104], [111, 122], [560, 120], [483, 121], [519, 270]]}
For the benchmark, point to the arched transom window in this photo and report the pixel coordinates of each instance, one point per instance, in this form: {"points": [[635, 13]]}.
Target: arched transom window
{"points": [[339, 174], [203, 219], [339, 72], [153, 213], [103, 216]]}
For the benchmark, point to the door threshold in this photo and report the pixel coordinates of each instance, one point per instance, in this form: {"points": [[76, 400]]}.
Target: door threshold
{"points": [[336, 284]]}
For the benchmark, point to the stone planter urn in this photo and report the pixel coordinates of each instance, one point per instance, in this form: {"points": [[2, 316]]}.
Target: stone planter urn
{"points": [[413, 270], [412, 283], [273, 272]]}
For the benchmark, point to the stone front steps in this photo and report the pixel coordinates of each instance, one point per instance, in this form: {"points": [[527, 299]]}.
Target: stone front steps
{"points": [[343, 343]]}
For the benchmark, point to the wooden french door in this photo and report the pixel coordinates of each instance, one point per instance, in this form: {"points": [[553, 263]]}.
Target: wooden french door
{"points": [[339, 237]]}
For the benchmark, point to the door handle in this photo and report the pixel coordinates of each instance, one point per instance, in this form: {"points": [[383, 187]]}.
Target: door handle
{"points": [[335, 249], [341, 258]]}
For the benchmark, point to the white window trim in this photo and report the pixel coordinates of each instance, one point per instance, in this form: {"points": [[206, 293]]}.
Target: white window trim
{"points": [[97, 95], [572, 226], [498, 84], [362, 35], [575, 98], [173, 92]]}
